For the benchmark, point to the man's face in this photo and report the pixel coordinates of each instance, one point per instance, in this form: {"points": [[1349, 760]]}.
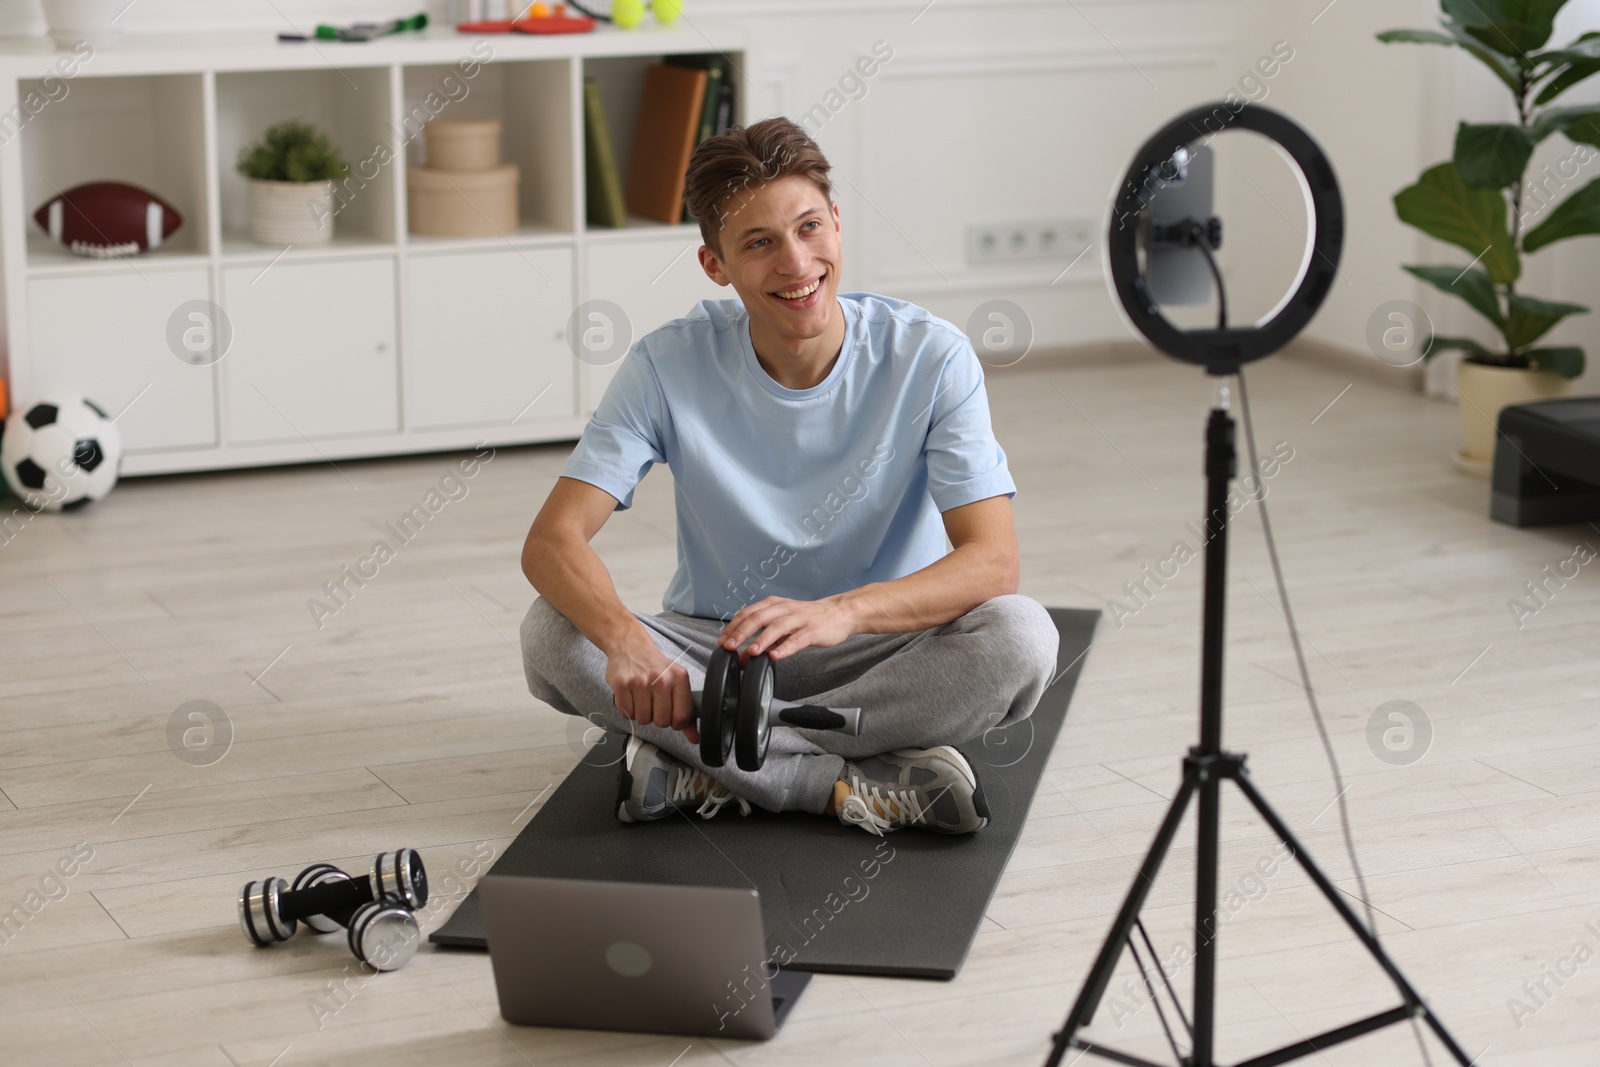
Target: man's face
{"points": [[780, 238]]}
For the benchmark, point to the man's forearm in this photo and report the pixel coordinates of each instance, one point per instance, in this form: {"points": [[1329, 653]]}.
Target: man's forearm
{"points": [[570, 575], [938, 594]]}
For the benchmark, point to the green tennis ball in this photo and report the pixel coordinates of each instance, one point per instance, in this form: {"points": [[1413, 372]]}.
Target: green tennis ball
{"points": [[667, 11], [627, 13]]}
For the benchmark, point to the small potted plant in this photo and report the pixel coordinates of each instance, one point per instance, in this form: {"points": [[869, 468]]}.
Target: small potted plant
{"points": [[94, 21], [1478, 201], [291, 171]]}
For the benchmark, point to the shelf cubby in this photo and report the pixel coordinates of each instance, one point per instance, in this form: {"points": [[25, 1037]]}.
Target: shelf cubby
{"points": [[621, 82], [145, 130], [533, 101], [352, 105]]}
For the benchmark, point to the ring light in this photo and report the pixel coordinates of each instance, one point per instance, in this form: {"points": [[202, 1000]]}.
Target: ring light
{"points": [[1222, 351]]}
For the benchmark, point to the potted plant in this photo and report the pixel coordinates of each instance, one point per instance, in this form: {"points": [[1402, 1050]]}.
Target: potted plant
{"points": [[291, 171], [94, 21], [1477, 201]]}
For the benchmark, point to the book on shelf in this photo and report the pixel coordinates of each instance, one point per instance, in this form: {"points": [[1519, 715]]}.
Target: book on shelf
{"points": [[602, 182], [716, 113], [718, 74], [670, 108], [724, 106]]}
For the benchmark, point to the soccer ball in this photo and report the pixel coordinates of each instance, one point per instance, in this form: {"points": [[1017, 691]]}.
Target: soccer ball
{"points": [[60, 454]]}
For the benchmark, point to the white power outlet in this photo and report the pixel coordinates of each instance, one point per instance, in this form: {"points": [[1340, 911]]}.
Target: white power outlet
{"points": [[1007, 242]]}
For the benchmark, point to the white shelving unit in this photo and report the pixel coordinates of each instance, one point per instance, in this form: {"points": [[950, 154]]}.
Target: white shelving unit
{"points": [[379, 343]]}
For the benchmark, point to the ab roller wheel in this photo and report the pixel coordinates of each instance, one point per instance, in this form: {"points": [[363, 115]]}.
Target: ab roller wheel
{"points": [[736, 711], [718, 705], [376, 910], [754, 732]]}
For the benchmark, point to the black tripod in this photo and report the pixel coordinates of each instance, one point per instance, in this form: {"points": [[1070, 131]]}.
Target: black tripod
{"points": [[1204, 770]]}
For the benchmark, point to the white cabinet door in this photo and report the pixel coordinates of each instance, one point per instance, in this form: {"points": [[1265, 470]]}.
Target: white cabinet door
{"points": [[653, 281], [106, 337], [485, 342], [313, 350]]}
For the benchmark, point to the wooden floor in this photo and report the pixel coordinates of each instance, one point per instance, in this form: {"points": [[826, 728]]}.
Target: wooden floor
{"points": [[403, 720]]}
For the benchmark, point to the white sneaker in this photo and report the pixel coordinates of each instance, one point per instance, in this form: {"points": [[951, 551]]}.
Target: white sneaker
{"points": [[652, 785], [934, 788]]}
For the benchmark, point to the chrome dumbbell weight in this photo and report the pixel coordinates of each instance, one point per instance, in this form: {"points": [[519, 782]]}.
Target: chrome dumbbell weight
{"points": [[381, 932], [376, 909]]}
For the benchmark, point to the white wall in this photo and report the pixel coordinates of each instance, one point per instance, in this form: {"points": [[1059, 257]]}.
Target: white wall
{"points": [[1364, 102], [1018, 109], [1385, 113], [1005, 110]]}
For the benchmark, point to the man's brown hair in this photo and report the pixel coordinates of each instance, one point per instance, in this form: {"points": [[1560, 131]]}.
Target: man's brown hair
{"points": [[742, 159]]}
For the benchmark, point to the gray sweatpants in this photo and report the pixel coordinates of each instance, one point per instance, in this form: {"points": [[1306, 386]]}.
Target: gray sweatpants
{"points": [[941, 686]]}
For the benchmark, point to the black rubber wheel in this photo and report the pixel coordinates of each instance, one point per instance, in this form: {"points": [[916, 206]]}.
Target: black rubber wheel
{"points": [[755, 713], [718, 705]]}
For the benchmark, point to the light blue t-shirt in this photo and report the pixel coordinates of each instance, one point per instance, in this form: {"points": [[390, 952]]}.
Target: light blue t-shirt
{"points": [[800, 493]]}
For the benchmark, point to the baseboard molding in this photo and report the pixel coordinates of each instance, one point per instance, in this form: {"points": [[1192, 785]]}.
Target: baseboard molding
{"points": [[1344, 360], [1360, 365], [1104, 354]]}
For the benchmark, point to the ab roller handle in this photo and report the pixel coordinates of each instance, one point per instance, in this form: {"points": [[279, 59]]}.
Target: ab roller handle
{"points": [[736, 708], [375, 910]]}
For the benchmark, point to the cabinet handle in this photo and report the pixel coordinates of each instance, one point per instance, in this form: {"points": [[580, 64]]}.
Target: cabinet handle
{"points": [[383, 346]]}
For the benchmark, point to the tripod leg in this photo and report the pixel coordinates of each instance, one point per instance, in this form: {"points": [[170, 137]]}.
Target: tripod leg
{"points": [[1207, 855], [1367, 937], [1094, 987], [1221, 465]]}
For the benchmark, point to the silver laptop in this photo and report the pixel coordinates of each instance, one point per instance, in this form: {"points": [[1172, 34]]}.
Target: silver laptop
{"points": [[668, 959]]}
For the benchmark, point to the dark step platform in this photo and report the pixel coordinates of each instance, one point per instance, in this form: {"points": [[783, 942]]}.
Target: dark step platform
{"points": [[1547, 463]]}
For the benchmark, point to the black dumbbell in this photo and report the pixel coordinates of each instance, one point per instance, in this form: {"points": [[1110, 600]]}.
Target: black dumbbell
{"points": [[736, 711], [376, 909]]}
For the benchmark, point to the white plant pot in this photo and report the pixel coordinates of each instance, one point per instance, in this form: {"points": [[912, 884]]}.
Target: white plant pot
{"points": [[291, 213], [70, 21], [1484, 390]]}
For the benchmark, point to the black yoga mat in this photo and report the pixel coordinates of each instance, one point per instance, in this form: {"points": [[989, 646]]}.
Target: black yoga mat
{"points": [[834, 898]]}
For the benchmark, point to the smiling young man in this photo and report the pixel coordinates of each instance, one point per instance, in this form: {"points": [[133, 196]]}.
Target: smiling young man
{"points": [[823, 446]]}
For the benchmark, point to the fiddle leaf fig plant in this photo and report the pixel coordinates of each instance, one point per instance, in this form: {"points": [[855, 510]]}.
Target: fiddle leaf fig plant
{"points": [[1479, 201]]}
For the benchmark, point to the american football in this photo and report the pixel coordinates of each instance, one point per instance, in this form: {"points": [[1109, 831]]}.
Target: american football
{"points": [[108, 219]]}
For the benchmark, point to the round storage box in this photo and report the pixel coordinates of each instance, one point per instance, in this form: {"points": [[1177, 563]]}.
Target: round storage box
{"points": [[462, 203], [462, 144]]}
